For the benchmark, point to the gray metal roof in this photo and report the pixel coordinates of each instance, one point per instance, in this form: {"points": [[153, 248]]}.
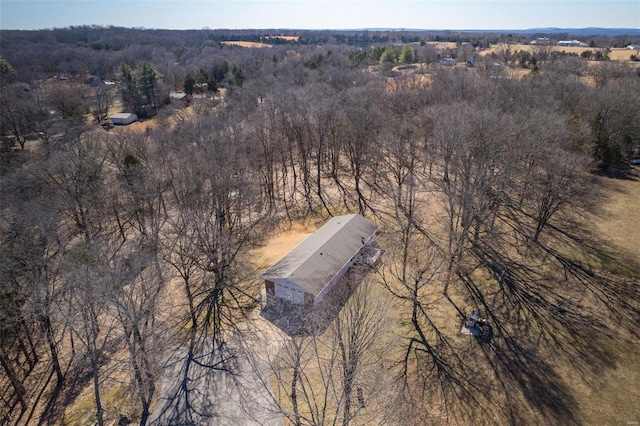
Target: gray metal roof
{"points": [[317, 259], [122, 115]]}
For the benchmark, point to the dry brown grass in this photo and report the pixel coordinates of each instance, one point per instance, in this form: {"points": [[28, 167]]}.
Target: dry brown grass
{"points": [[614, 398], [117, 396], [616, 54], [518, 73], [408, 81], [622, 54], [620, 221], [250, 44], [443, 44], [287, 38]]}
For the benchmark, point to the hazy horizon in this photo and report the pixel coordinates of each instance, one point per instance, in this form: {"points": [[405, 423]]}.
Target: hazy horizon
{"points": [[318, 15]]}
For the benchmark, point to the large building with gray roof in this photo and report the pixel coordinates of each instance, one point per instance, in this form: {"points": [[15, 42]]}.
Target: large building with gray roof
{"points": [[307, 273]]}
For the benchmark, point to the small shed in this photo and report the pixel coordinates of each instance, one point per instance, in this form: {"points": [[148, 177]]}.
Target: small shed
{"points": [[180, 96], [177, 95], [307, 273], [123, 118]]}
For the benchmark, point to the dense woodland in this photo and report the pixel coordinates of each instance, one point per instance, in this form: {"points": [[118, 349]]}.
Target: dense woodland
{"points": [[126, 254]]}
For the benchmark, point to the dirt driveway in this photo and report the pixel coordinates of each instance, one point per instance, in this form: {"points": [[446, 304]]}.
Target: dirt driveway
{"points": [[192, 394]]}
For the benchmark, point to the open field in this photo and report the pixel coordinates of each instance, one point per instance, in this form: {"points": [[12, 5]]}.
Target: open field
{"points": [[442, 44], [250, 44], [287, 38], [614, 399], [254, 44], [619, 221], [616, 54]]}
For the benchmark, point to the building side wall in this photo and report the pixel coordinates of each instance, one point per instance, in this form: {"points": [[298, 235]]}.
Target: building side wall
{"points": [[132, 118], [270, 287], [288, 290]]}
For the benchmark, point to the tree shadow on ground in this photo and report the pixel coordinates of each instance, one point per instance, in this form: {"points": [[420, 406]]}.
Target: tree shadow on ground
{"points": [[607, 273], [77, 376], [551, 313], [188, 386], [449, 380], [517, 363], [622, 172]]}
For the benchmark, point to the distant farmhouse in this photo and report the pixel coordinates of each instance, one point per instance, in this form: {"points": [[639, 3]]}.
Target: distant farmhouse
{"points": [[541, 40], [570, 43], [123, 118], [306, 274]]}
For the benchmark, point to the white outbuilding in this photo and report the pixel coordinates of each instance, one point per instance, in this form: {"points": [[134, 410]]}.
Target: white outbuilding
{"points": [[570, 43], [307, 273], [123, 118]]}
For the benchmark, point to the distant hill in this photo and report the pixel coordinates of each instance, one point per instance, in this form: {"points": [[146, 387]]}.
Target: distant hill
{"points": [[589, 31]]}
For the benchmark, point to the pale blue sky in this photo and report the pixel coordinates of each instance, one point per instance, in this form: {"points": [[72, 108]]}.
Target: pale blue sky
{"points": [[314, 14]]}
